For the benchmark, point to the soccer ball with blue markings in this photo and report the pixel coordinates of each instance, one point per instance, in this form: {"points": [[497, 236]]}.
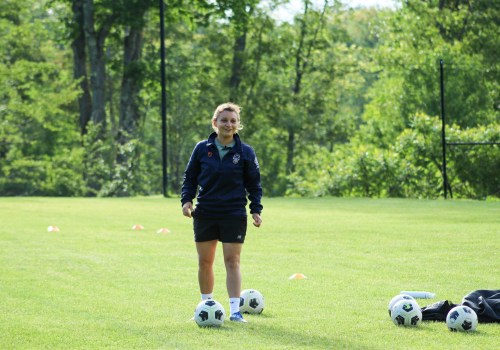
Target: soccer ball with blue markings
{"points": [[209, 313], [251, 301], [461, 319], [406, 313], [398, 298]]}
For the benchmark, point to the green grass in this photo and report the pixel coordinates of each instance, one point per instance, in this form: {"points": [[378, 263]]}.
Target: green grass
{"points": [[99, 284]]}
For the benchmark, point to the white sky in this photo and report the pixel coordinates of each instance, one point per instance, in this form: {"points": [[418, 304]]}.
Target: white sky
{"points": [[366, 3], [286, 12]]}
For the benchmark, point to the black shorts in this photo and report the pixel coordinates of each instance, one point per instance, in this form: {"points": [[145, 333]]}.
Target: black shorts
{"points": [[227, 230]]}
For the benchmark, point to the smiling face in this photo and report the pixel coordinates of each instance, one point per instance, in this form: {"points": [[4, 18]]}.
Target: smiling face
{"points": [[226, 125]]}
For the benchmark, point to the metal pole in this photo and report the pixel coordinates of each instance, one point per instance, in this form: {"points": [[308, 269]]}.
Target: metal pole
{"points": [[163, 99], [443, 126]]}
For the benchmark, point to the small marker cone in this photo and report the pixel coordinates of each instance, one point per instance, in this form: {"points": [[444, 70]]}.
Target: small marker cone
{"points": [[53, 229], [297, 276], [138, 227], [163, 230]]}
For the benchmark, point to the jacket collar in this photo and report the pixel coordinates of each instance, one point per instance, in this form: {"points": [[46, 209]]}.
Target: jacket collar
{"points": [[237, 141]]}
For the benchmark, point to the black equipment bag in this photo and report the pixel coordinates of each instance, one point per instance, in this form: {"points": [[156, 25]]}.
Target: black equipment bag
{"points": [[486, 304]]}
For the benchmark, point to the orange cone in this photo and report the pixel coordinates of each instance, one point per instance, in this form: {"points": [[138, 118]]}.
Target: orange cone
{"points": [[53, 229], [297, 276], [138, 227], [163, 230]]}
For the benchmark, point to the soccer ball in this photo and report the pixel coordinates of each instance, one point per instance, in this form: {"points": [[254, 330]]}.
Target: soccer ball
{"points": [[406, 313], [462, 319], [251, 301], [209, 313], [398, 298]]}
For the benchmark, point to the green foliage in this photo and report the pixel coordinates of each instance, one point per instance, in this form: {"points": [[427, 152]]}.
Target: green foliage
{"points": [[272, 160], [420, 147], [475, 168], [314, 175], [60, 175], [23, 176], [129, 178], [417, 37], [411, 167], [65, 174], [39, 138], [97, 160], [359, 171], [356, 90]]}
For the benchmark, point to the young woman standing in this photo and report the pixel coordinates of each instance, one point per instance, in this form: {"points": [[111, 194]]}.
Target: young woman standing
{"points": [[222, 172]]}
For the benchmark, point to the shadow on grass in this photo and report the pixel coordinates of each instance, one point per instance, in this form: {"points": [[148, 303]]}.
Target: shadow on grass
{"points": [[302, 339], [279, 337], [221, 329]]}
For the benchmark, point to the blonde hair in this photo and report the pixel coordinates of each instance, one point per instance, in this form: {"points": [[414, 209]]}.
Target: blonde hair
{"points": [[228, 106]]}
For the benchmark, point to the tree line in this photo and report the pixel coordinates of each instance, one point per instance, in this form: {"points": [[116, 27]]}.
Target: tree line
{"points": [[340, 101]]}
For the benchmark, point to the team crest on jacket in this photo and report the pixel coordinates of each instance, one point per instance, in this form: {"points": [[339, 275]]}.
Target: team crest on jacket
{"points": [[236, 158]]}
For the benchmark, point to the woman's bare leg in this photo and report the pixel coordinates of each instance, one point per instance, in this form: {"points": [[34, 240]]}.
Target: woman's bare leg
{"points": [[232, 252], [206, 257]]}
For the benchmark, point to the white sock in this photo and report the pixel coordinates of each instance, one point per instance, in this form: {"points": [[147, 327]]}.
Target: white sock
{"points": [[234, 305], [207, 296]]}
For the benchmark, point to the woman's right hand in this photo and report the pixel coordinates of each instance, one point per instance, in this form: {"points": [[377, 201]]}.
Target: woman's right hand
{"points": [[187, 208]]}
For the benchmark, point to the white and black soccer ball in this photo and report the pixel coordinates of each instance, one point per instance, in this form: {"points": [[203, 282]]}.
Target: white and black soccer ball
{"points": [[209, 313], [251, 301], [461, 319], [398, 298], [406, 313]]}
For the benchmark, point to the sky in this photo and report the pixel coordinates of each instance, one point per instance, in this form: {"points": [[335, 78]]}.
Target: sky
{"points": [[286, 12], [366, 3]]}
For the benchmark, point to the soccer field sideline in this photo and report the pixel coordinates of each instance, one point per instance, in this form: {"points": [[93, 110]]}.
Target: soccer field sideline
{"points": [[100, 284]]}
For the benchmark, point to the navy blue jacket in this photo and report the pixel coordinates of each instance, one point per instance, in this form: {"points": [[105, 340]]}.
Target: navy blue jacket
{"points": [[222, 186]]}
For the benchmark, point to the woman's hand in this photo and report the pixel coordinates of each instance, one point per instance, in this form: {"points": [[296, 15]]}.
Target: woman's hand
{"points": [[187, 208], [257, 220]]}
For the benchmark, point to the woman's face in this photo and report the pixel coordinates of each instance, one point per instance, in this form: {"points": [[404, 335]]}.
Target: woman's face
{"points": [[227, 124]]}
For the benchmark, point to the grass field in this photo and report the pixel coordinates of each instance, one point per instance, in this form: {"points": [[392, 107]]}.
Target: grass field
{"points": [[99, 284]]}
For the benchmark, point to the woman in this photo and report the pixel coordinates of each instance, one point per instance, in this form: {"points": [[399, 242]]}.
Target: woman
{"points": [[223, 171]]}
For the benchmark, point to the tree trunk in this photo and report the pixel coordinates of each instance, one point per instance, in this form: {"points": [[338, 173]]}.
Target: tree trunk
{"points": [[95, 49], [95, 44], [131, 85], [238, 61], [290, 151], [129, 121], [242, 14], [80, 65], [301, 61], [299, 66]]}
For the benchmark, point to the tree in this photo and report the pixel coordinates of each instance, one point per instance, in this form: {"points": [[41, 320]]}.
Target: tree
{"points": [[38, 128], [417, 37], [96, 33], [337, 102], [97, 20], [80, 74], [302, 60], [241, 13]]}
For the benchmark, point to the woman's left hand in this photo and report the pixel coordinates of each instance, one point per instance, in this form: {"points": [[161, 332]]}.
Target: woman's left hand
{"points": [[257, 220]]}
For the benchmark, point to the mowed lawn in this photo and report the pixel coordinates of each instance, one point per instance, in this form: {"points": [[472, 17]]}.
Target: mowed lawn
{"points": [[98, 284]]}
